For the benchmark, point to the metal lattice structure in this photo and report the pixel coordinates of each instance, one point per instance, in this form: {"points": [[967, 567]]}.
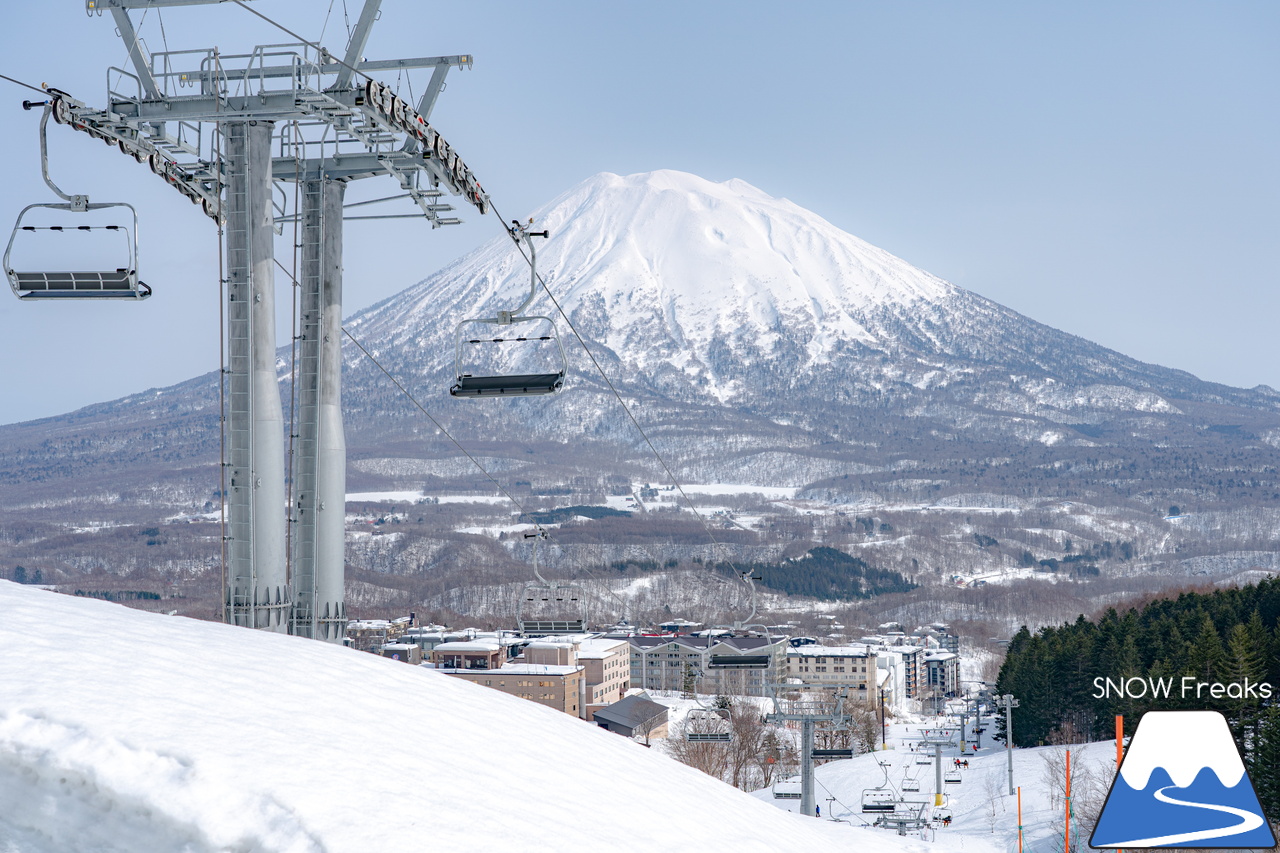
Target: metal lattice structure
{"points": [[227, 131], [809, 710]]}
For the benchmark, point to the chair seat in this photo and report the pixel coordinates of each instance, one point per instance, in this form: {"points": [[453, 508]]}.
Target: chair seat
{"points": [[520, 385], [105, 284]]}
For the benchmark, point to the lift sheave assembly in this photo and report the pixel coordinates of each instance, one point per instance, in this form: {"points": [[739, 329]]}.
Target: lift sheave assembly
{"points": [[513, 327]]}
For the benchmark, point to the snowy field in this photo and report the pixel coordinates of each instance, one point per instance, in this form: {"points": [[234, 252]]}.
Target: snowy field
{"points": [[129, 731], [415, 496]]}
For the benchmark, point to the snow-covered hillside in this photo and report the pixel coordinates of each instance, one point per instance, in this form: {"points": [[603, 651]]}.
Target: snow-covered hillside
{"points": [[127, 731], [981, 810]]}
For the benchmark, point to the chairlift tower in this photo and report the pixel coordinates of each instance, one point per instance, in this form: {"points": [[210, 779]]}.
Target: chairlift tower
{"points": [[808, 714], [936, 739], [226, 131]]}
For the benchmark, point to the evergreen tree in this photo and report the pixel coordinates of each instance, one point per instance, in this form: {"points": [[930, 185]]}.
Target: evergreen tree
{"points": [[1205, 658], [1264, 758]]}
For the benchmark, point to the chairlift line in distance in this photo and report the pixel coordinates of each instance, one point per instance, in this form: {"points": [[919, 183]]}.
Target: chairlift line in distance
{"points": [[469, 382]]}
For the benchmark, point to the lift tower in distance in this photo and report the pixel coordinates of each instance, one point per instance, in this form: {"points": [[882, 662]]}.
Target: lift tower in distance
{"points": [[808, 711], [225, 130]]}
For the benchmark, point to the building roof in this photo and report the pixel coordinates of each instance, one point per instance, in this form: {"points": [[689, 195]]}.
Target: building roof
{"points": [[468, 646], [631, 711], [741, 644], [535, 669], [600, 648], [830, 651]]}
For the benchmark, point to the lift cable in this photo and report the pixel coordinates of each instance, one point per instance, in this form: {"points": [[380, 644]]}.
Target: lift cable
{"points": [[850, 811], [612, 388], [20, 83], [323, 51], [542, 531], [440, 427], [325, 25]]}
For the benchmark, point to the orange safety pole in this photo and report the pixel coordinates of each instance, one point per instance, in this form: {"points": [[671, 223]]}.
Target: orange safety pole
{"points": [[1019, 819], [1066, 835], [1119, 746]]}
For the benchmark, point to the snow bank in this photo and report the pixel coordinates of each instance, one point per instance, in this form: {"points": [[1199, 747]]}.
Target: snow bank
{"points": [[126, 731]]}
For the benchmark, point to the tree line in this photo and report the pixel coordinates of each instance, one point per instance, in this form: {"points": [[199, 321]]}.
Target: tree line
{"points": [[1072, 680]]}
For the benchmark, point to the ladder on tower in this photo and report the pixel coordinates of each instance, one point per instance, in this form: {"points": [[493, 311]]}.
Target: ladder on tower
{"points": [[241, 582], [303, 512]]}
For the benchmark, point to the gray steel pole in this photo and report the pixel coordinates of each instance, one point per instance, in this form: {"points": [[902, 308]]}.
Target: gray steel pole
{"points": [[806, 767], [257, 593], [320, 464], [937, 774], [1008, 738]]}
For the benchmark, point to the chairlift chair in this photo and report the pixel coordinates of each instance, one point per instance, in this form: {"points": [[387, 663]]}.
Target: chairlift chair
{"points": [[786, 789], [910, 784], [540, 592], [876, 800], [922, 758], [952, 777], [712, 719], [739, 662], [512, 327], [104, 281]]}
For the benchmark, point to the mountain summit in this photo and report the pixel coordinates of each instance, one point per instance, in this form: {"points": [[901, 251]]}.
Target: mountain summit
{"points": [[697, 291]]}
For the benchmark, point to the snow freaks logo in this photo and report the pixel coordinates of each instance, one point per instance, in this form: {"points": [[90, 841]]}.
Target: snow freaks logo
{"points": [[1182, 784], [1161, 688]]}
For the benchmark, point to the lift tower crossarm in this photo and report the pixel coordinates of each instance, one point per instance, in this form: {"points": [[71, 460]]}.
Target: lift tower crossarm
{"points": [[98, 5], [355, 47], [136, 55]]}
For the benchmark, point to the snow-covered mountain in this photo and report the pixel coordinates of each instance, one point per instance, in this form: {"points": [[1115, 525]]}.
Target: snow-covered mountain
{"points": [[756, 344], [717, 292]]}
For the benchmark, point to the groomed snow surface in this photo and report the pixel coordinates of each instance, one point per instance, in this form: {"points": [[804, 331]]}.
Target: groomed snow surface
{"points": [[129, 731]]}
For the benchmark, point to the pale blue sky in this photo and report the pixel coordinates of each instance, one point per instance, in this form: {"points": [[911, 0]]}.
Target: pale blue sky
{"points": [[1106, 168]]}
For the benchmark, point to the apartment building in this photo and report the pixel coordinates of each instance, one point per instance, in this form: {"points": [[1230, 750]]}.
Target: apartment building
{"points": [[683, 663], [606, 665], [556, 685], [942, 673], [851, 666]]}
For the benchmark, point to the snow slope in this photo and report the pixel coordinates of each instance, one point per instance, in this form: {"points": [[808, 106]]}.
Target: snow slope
{"points": [[983, 814], [127, 731]]}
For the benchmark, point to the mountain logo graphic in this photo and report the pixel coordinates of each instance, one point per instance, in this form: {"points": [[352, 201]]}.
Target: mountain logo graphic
{"points": [[1182, 784]]}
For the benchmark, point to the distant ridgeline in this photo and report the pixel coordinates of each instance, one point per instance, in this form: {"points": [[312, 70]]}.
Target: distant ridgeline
{"points": [[1218, 651], [824, 573]]}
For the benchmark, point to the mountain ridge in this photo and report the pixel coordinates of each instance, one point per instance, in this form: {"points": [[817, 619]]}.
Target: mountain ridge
{"points": [[759, 345]]}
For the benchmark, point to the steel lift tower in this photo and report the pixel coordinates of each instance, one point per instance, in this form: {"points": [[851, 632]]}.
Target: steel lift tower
{"points": [[808, 712], [227, 130]]}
